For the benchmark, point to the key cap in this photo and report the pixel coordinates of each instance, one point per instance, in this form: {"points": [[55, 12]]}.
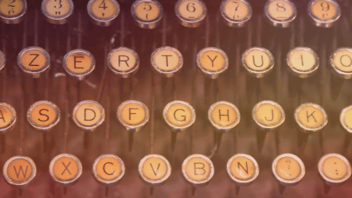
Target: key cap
{"points": [[57, 12], [197, 169], [7, 117], [179, 115], [324, 12], [334, 168], [108, 169], [346, 118], [280, 13], [34, 61], [311, 117], [224, 116], [341, 62], [212, 61], [2, 60], [258, 61], [19, 170], [12, 12], [154, 169], [243, 169], [79, 63], [103, 12], [191, 13], [147, 13], [302, 62], [43, 115], [167, 61], [123, 61], [88, 115], [65, 169], [235, 13]]}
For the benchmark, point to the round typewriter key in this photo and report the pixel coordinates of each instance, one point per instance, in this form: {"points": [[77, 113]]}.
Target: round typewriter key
{"points": [[288, 169], [7, 117], [19, 170], [65, 169], [302, 61], [258, 61], [235, 12], [108, 169], [324, 12], [311, 117], [212, 61], [197, 169], [179, 115], [43, 115], [224, 116], [154, 169], [346, 118], [123, 61], [147, 13], [268, 114], [103, 12], [88, 114], [133, 115], [79, 63], [33, 60], [242, 169], [191, 13], [167, 61], [334, 168], [12, 12], [2, 60], [341, 62], [280, 13], [57, 12]]}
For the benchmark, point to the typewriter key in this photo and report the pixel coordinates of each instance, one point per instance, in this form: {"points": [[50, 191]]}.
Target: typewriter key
{"points": [[280, 13], [2, 60], [243, 169], [7, 117], [179, 115], [19, 170], [346, 118], [324, 12], [212, 61], [167, 61], [123, 61], [103, 12], [154, 169], [191, 13], [88, 115], [79, 63], [311, 117], [334, 169], [108, 169], [12, 12], [235, 12], [341, 62], [147, 13], [34, 61], [224, 116], [258, 61], [302, 62], [43, 115], [65, 169], [57, 12]]}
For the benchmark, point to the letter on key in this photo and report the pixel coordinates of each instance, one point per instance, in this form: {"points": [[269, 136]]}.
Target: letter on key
{"points": [[243, 169], [103, 12], [88, 115], [258, 61], [224, 116], [179, 115], [57, 12], [154, 169], [280, 12], [133, 114], [311, 117], [167, 61], [324, 12], [43, 115], [198, 169], [7, 117], [33, 60], [236, 12], [341, 62], [108, 169], [302, 61], [123, 61], [2, 60], [268, 114], [19, 170], [12, 12], [65, 169], [212, 61], [334, 168], [147, 13], [288, 169], [191, 13], [79, 63]]}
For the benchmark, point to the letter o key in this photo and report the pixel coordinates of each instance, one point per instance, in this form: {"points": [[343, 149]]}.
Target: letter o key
{"points": [[154, 169], [88, 115], [311, 117], [43, 115], [341, 62], [179, 115], [197, 169], [19, 170], [108, 169]]}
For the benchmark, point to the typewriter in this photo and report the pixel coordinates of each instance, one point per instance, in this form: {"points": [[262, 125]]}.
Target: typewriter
{"points": [[175, 98]]}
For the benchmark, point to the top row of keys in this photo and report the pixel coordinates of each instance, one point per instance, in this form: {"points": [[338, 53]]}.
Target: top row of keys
{"points": [[191, 13]]}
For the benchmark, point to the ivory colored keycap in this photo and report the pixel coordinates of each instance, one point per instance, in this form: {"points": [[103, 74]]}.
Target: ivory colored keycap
{"points": [[147, 13], [288, 169], [191, 13], [133, 114], [7, 117], [268, 114], [167, 61], [197, 169], [242, 168], [79, 63], [334, 168], [108, 169], [302, 61], [88, 114], [341, 62], [224, 115], [324, 12], [2, 60], [311, 117], [235, 12], [212, 61], [346, 118], [19, 170], [65, 168], [103, 12], [179, 115], [43, 115], [280, 12], [33, 60], [57, 12], [154, 169], [258, 61], [123, 61], [12, 12]]}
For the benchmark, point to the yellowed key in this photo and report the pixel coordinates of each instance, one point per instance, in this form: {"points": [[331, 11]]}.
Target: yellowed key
{"points": [[334, 168], [324, 12], [154, 169], [311, 117], [258, 61], [133, 115], [191, 13], [280, 13], [79, 63], [2, 60], [88, 115], [302, 62], [65, 169], [34, 61], [123, 61], [236, 12], [179, 115], [341, 62], [346, 118], [212, 61], [7, 117], [197, 169], [147, 13], [57, 12], [12, 12], [19, 170], [243, 169], [43, 115], [288, 169], [103, 12], [268, 114], [108, 169], [224, 116], [167, 61]]}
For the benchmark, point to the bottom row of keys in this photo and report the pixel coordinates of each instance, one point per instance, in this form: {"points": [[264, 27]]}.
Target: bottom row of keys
{"points": [[197, 169]]}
